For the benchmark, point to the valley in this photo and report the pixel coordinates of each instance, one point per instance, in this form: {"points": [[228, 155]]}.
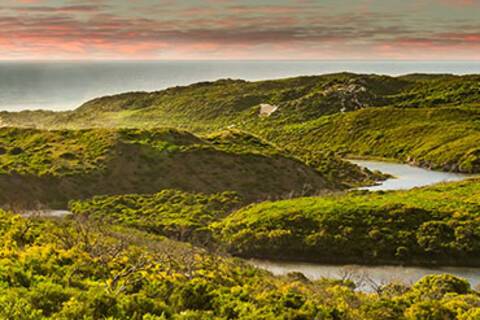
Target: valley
{"points": [[161, 200]]}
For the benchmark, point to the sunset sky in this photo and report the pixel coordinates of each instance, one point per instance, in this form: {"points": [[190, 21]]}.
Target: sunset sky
{"points": [[222, 29]]}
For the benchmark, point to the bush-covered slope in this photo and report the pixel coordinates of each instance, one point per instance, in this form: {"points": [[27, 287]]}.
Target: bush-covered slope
{"points": [[438, 90], [53, 167], [76, 269], [222, 103], [227, 102], [432, 225]]}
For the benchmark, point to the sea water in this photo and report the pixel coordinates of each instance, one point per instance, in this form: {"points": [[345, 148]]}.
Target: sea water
{"points": [[66, 85]]}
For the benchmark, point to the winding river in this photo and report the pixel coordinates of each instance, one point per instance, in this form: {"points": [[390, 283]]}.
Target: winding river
{"points": [[368, 277], [406, 176]]}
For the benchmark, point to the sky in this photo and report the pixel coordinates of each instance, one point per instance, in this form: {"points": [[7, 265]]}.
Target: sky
{"points": [[238, 30]]}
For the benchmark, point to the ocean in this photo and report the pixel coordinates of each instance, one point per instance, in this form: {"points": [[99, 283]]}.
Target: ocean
{"points": [[66, 85]]}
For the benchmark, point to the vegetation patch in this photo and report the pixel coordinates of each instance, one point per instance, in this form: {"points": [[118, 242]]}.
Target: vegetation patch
{"points": [[175, 214], [415, 135]]}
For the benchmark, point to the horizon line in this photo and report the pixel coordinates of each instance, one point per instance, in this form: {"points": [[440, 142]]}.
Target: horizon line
{"points": [[243, 60]]}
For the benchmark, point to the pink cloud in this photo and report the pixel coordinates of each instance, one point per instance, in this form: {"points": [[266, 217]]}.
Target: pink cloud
{"points": [[459, 3], [61, 9], [29, 1], [304, 31]]}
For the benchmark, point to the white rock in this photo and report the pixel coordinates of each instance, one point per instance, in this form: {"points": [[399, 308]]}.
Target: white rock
{"points": [[267, 109]]}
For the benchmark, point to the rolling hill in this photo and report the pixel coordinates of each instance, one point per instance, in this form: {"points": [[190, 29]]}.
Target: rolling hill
{"points": [[403, 118]]}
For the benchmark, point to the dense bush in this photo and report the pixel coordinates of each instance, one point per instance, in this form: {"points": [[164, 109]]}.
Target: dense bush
{"points": [[417, 136], [77, 269]]}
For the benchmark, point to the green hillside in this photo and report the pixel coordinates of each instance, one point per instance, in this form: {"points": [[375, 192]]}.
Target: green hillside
{"points": [[227, 102], [53, 167], [215, 104], [405, 118], [431, 225]]}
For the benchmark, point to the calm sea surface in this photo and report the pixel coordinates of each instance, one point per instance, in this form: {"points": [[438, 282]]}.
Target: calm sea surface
{"points": [[66, 85]]}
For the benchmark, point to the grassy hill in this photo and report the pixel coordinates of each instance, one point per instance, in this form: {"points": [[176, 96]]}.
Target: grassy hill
{"points": [[213, 104], [404, 118], [227, 102], [432, 225], [53, 167]]}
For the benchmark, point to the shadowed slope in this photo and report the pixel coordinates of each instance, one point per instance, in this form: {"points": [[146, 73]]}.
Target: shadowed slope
{"points": [[55, 166]]}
